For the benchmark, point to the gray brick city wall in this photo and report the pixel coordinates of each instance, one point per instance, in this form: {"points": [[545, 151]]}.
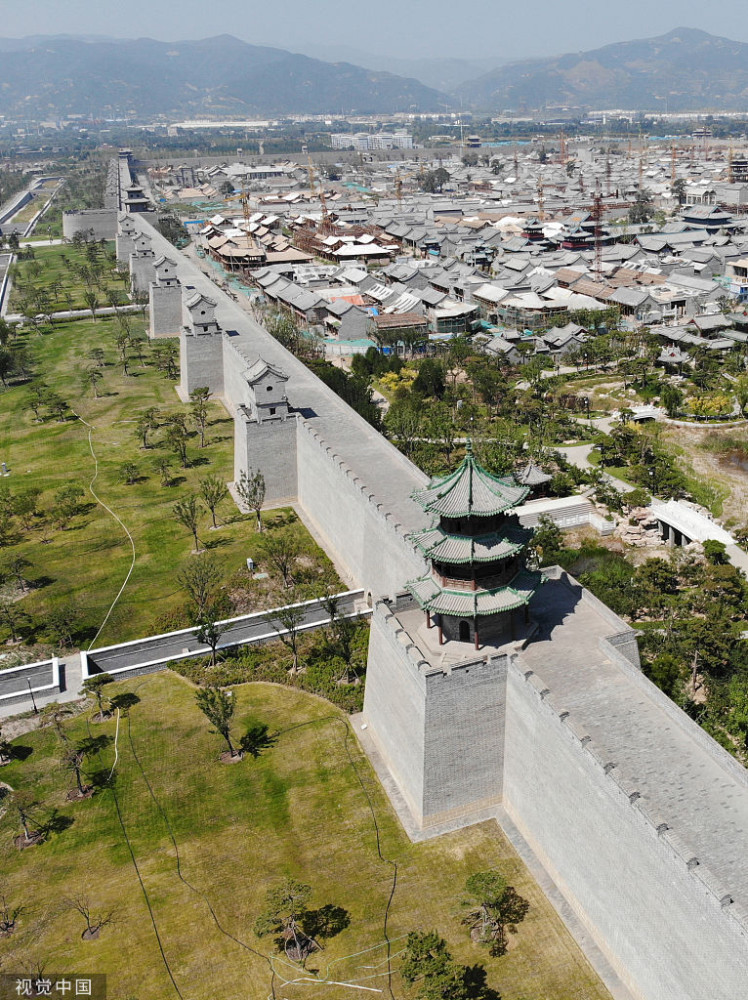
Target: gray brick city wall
{"points": [[464, 737], [395, 706], [659, 916], [269, 448], [364, 538], [235, 364], [201, 362], [165, 310], [142, 271], [125, 244], [103, 222]]}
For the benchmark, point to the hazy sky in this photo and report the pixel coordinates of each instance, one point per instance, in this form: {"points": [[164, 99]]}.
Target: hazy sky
{"points": [[418, 28]]}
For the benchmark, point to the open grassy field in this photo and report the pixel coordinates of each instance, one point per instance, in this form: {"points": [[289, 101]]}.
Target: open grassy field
{"points": [[63, 273], [184, 849], [84, 563]]}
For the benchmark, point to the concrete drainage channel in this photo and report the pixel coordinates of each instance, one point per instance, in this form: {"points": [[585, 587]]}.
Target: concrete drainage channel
{"points": [[154, 653], [20, 686]]}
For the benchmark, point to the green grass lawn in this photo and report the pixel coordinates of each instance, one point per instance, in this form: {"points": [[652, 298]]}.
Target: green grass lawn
{"points": [[86, 563], [55, 271], [208, 840]]}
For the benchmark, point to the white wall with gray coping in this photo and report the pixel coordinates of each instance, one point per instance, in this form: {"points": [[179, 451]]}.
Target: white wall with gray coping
{"points": [[41, 678]]}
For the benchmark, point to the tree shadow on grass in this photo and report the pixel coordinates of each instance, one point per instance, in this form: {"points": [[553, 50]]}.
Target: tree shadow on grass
{"points": [[257, 738], [326, 922], [476, 986], [55, 823], [215, 543], [199, 460], [102, 778], [19, 752], [124, 702]]}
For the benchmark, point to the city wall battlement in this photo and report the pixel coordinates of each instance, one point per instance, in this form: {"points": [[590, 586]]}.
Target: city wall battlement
{"points": [[627, 795]]}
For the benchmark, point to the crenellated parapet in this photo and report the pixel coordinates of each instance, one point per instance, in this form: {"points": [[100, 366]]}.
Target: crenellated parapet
{"points": [[624, 788]]}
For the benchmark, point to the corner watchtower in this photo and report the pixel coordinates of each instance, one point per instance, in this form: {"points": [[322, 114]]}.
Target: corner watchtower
{"points": [[478, 584]]}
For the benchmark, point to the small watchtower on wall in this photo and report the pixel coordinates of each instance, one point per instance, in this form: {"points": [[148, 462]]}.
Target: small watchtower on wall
{"points": [[126, 233], [200, 347], [142, 260], [165, 300], [267, 392], [265, 437]]}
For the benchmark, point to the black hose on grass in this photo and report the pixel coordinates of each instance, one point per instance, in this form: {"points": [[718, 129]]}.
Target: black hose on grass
{"points": [[145, 895], [387, 861], [181, 877]]}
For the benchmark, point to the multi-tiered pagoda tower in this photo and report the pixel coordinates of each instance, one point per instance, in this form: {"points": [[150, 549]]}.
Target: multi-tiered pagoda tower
{"points": [[478, 582]]}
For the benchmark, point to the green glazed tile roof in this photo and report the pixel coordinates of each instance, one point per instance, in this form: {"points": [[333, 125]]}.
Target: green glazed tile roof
{"points": [[474, 603], [469, 491], [436, 544]]}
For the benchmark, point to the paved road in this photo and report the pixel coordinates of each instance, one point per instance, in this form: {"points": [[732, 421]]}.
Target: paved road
{"points": [[243, 631]]}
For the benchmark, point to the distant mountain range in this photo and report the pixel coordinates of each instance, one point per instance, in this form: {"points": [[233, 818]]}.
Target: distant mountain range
{"points": [[444, 73], [684, 70], [47, 77]]}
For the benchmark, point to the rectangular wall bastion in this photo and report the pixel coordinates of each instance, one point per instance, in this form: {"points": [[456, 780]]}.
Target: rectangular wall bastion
{"points": [[439, 730], [490, 730]]}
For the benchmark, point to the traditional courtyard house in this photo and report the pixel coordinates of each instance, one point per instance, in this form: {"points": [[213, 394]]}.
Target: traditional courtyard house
{"points": [[478, 580]]}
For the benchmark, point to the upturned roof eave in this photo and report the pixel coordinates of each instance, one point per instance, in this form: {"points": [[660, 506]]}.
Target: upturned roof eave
{"points": [[504, 496]]}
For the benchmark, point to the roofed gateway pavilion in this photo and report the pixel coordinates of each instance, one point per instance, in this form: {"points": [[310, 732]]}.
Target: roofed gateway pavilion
{"points": [[478, 580]]}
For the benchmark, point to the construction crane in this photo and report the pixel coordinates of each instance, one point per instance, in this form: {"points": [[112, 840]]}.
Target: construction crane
{"points": [[730, 171], [245, 202], [673, 162], [326, 224], [541, 200], [597, 216]]}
